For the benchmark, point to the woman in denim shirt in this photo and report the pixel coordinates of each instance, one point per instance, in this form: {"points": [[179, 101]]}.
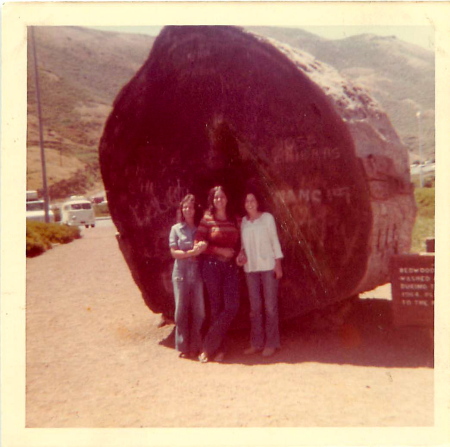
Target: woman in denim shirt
{"points": [[187, 282]]}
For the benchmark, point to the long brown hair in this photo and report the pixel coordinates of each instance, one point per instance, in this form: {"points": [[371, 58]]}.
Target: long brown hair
{"points": [[198, 211], [211, 194]]}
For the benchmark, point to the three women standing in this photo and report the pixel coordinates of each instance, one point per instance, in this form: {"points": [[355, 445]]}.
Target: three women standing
{"points": [[218, 239], [261, 257]]}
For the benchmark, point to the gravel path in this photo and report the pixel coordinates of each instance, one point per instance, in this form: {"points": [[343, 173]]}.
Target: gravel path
{"points": [[95, 358]]}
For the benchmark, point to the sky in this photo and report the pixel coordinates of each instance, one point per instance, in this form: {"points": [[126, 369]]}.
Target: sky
{"points": [[418, 35]]}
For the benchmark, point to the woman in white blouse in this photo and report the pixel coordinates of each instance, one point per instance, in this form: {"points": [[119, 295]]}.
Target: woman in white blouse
{"points": [[261, 257]]}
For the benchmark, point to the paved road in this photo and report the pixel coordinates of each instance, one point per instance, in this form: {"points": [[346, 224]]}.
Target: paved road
{"points": [[100, 222], [104, 222]]}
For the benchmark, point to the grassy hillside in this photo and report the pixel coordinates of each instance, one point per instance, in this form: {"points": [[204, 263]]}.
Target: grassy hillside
{"points": [[80, 73]]}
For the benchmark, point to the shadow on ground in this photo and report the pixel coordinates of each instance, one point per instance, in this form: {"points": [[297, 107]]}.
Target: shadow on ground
{"points": [[367, 337]]}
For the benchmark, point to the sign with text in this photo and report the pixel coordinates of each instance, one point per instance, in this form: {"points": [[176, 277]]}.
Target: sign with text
{"points": [[412, 282]]}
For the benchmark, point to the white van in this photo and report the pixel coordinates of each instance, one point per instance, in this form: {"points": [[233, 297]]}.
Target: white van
{"points": [[77, 211]]}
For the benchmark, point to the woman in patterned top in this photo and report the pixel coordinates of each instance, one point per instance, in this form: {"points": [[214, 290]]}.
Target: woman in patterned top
{"points": [[219, 271]]}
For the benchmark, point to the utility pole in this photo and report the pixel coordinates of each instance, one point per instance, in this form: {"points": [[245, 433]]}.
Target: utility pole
{"points": [[41, 133]]}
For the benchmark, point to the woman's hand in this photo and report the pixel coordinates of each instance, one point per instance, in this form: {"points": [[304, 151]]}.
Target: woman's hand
{"points": [[241, 258], [199, 248], [278, 270]]}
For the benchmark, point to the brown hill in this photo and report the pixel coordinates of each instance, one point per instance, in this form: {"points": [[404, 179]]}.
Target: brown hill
{"points": [[82, 70], [80, 73]]}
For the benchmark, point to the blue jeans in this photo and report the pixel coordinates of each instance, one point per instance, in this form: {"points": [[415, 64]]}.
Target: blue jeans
{"points": [[222, 284], [189, 306], [264, 332]]}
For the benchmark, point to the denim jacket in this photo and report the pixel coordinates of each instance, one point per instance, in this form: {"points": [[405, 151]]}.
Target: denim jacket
{"points": [[182, 238]]}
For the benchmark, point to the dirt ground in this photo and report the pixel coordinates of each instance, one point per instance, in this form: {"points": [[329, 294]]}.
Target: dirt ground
{"points": [[95, 358]]}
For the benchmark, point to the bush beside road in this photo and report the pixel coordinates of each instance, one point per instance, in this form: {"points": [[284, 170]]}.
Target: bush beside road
{"points": [[425, 219], [41, 236]]}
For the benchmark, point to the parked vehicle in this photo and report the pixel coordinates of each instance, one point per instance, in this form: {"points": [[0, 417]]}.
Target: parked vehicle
{"points": [[78, 211], [98, 198], [32, 195], [36, 211]]}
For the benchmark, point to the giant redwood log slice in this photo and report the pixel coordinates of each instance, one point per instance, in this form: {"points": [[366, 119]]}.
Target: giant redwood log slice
{"points": [[217, 105]]}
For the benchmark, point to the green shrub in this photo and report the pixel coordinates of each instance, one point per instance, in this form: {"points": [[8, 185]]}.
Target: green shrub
{"points": [[35, 243], [425, 201], [424, 225], [40, 236]]}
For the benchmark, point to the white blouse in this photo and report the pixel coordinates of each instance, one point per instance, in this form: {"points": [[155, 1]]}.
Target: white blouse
{"points": [[261, 244]]}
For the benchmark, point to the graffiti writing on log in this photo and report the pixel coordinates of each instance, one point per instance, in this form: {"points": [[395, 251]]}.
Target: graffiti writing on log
{"points": [[289, 151], [315, 196], [170, 201]]}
